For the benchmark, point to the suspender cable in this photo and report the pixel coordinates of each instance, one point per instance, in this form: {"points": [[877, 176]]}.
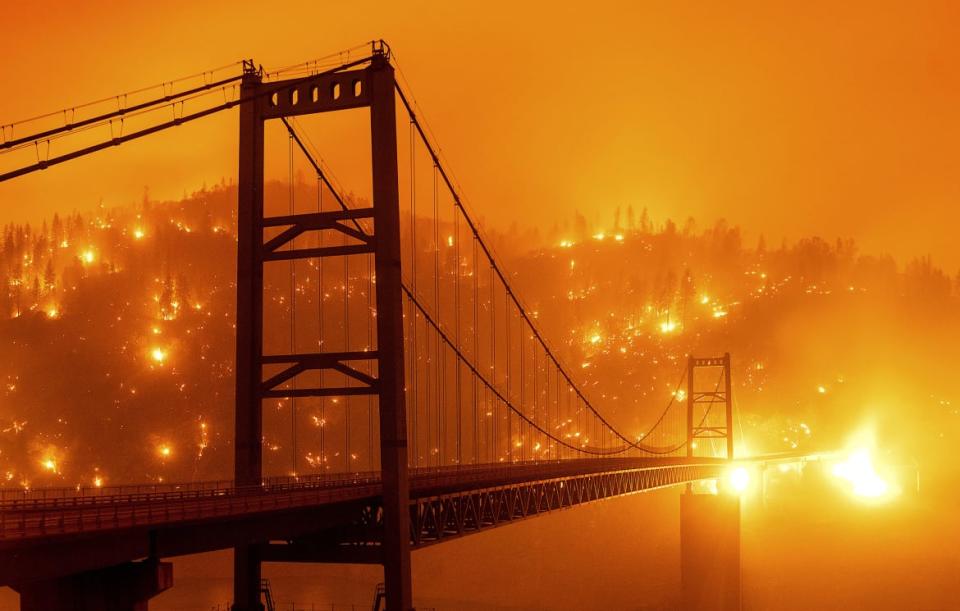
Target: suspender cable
{"points": [[293, 315], [437, 305], [476, 352], [414, 314], [524, 315], [320, 341]]}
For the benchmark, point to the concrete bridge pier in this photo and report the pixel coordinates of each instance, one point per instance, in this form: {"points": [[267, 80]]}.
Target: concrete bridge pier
{"points": [[124, 587], [709, 552]]}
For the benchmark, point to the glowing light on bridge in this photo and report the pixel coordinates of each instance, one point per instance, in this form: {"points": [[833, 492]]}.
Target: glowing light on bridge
{"points": [[738, 479], [859, 472]]}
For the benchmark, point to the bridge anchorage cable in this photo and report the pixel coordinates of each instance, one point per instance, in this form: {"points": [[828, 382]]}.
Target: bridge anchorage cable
{"points": [[146, 107]]}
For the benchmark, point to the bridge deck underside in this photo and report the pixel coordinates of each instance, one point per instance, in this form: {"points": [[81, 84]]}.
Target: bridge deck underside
{"points": [[315, 519]]}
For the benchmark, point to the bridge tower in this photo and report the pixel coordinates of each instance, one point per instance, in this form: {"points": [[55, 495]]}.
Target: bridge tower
{"points": [[709, 524], [372, 86], [703, 422]]}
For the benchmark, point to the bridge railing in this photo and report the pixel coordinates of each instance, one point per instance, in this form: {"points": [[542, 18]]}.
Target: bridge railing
{"points": [[79, 494], [41, 517]]}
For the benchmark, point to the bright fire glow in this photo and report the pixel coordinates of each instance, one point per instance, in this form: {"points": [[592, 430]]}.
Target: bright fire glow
{"points": [[164, 450], [159, 355], [88, 256], [668, 326], [739, 479], [138, 233], [858, 470]]}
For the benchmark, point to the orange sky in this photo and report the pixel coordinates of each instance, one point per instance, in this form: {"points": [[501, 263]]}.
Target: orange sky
{"points": [[789, 120]]}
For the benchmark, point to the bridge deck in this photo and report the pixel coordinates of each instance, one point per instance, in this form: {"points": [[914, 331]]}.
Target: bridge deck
{"points": [[99, 527]]}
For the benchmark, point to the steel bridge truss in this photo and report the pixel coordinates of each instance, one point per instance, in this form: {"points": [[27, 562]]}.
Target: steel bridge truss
{"points": [[438, 518], [435, 518]]}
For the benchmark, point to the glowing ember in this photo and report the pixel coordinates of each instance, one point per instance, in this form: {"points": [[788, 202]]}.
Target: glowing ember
{"points": [[159, 355], [164, 450], [668, 326], [138, 233], [50, 464], [204, 439], [88, 256]]}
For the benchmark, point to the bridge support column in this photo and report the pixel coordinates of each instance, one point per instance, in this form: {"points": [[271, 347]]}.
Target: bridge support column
{"points": [[248, 461], [709, 552], [392, 407], [125, 587]]}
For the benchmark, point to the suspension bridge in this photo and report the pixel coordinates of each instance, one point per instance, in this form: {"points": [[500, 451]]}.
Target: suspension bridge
{"points": [[399, 328]]}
